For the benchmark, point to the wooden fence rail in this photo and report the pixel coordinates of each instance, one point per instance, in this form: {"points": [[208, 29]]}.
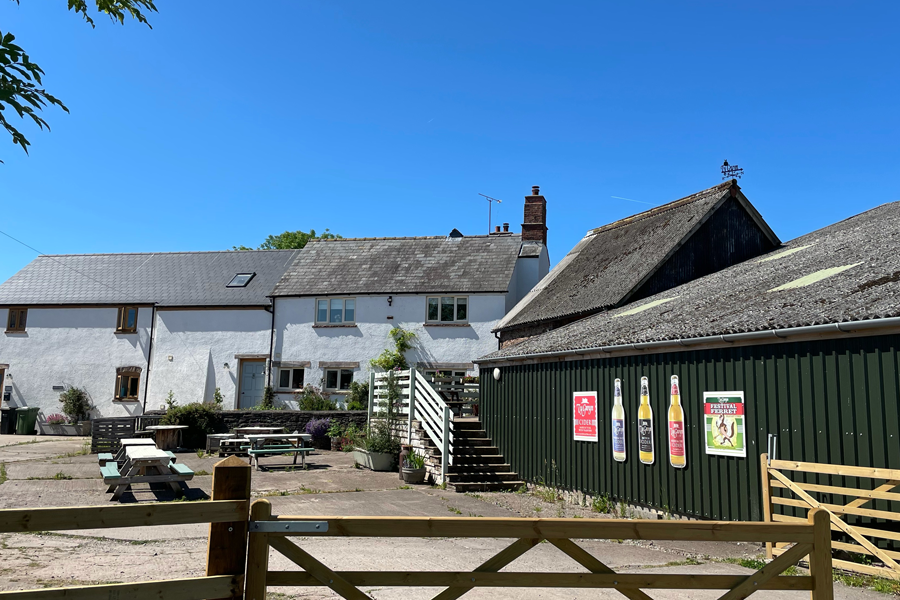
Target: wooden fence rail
{"points": [[802, 495], [227, 513], [811, 538]]}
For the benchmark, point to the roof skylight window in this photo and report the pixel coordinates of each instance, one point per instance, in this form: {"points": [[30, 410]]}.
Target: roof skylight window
{"points": [[240, 280]]}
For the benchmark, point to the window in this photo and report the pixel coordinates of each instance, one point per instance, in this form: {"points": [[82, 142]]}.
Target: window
{"points": [[335, 311], [290, 379], [240, 280], [17, 318], [127, 385], [448, 309], [338, 379], [126, 321]]}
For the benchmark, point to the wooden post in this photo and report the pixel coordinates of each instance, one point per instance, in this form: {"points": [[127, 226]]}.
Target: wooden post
{"points": [[258, 553], [820, 555], [412, 405], [766, 496], [226, 551], [445, 449], [371, 399]]}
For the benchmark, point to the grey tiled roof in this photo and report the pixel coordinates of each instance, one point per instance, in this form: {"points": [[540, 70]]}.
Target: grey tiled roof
{"points": [[610, 261], [749, 296], [403, 265], [167, 279]]}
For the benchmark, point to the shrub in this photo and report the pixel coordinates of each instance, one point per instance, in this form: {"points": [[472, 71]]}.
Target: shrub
{"points": [[358, 398], [395, 359], [201, 420], [76, 404], [268, 399], [381, 439], [318, 429], [217, 398], [56, 419], [312, 398]]}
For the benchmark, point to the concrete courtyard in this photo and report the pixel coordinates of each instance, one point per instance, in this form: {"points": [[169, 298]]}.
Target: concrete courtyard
{"points": [[49, 471]]}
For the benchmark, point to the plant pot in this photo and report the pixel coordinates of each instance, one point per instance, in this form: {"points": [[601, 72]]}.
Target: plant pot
{"points": [[336, 444], [376, 461], [416, 476], [81, 428]]}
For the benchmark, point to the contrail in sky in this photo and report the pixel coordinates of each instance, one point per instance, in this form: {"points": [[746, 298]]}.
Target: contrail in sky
{"points": [[630, 200]]}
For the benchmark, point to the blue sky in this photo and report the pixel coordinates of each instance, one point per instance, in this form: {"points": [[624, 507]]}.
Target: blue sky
{"points": [[227, 122]]}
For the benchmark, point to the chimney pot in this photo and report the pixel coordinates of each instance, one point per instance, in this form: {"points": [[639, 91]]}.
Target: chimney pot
{"points": [[535, 190], [497, 230], [506, 228]]}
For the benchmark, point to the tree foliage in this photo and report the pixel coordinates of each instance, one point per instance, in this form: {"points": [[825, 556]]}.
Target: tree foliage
{"points": [[21, 86], [389, 359], [291, 240]]}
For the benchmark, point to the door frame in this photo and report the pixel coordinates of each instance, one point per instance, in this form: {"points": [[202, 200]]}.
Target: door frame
{"points": [[240, 381]]}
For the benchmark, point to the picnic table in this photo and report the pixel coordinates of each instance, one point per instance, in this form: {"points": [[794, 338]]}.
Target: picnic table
{"points": [[106, 457], [279, 443], [256, 430], [167, 436], [144, 464]]}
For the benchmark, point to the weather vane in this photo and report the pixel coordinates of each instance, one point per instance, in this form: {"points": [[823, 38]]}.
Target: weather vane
{"points": [[731, 171], [490, 204]]}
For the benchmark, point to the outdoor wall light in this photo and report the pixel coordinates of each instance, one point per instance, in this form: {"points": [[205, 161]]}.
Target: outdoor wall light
{"points": [[390, 300], [496, 373], [9, 376], [226, 366]]}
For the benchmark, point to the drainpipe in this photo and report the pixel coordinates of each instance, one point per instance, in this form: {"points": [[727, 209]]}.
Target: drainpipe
{"points": [[149, 356], [271, 309]]}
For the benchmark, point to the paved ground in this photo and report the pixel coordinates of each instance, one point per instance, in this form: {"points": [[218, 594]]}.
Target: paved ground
{"points": [[56, 472]]}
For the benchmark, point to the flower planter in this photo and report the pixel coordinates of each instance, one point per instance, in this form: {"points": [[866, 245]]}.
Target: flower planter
{"points": [[82, 428], [376, 461], [416, 476]]}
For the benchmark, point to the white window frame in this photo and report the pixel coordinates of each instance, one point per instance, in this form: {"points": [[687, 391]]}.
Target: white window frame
{"points": [[456, 300], [338, 388], [291, 388], [329, 303]]}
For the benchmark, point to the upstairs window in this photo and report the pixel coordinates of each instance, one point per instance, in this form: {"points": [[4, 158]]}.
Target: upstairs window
{"points": [[335, 311], [448, 309], [128, 385], [338, 379], [126, 320], [16, 320], [290, 379], [240, 280]]}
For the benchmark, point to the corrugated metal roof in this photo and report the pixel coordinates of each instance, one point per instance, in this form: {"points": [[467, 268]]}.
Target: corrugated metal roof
{"points": [[403, 265], [850, 271], [167, 279], [611, 261]]}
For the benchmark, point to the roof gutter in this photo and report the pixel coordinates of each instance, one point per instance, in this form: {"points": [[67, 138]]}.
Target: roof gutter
{"points": [[731, 338]]}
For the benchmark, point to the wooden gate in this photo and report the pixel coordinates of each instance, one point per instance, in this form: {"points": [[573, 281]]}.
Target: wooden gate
{"points": [[802, 495], [812, 538]]}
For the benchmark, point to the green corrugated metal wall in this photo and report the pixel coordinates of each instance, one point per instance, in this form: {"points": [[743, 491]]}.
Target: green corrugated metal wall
{"points": [[829, 401]]}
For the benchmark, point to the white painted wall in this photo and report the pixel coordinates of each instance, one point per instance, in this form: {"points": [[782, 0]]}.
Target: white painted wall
{"points": [[526, 274], [73, 347], [200, 342], [296, 338]]}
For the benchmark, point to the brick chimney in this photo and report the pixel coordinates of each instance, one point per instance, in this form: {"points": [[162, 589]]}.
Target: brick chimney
{"points": [[535, 226]]}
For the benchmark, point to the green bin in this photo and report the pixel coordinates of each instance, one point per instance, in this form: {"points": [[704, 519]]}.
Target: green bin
{"points": [[26, 421]]}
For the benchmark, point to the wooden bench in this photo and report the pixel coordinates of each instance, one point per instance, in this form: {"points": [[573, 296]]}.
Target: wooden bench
{"points": [[234, 447], [280, 449]]}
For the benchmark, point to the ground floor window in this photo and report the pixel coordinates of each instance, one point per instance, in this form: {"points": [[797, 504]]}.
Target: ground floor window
{"points": [[338, 379], [127, 385], [290, 379]]}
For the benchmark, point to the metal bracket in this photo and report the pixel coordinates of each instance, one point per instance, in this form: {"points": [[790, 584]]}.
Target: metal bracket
{"points": [[288, 526]]}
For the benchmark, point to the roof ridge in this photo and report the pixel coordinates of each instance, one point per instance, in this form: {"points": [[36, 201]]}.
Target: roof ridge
{"points": [[415, 237], [658, 210], [167, 253]]}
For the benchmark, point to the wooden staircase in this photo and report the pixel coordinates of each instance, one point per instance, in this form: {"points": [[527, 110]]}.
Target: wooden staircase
{"points": [[477, 465]]}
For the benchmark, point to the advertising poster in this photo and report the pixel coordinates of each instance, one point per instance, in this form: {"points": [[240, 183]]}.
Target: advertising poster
{"points": [[723, 413], [677, 448], [618, 423], [584, 405]]}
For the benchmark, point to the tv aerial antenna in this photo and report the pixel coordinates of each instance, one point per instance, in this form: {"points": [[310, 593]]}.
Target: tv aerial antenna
{"points": [[490, 205], [731, 171]]}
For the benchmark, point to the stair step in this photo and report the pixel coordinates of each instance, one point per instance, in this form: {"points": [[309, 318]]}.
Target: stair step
{"points": [[476, 450], [463, 441], [467, 424], [478, 459], [480, 477], [479, 467], [486, 486], [469, 433]]}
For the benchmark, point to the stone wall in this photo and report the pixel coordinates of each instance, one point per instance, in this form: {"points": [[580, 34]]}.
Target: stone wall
{"points": [[291, 420]]}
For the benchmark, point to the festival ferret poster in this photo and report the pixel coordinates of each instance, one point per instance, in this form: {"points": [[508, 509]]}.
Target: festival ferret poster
{"points": [[723, 413], [584, 407]]}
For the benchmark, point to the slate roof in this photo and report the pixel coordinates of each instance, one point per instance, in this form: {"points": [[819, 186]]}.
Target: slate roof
{"points": [[166, 279], [403, 265], [606, 266], [851, 268]]}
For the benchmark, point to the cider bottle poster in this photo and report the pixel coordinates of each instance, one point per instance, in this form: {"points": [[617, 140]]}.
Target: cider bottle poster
{"points": [[723, 414], [584, 407]]}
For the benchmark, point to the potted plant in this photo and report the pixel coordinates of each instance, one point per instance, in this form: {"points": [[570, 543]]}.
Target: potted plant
{"points": [[413, 468], [318, 429], [76, 406], [379, 449], [336, 435]]}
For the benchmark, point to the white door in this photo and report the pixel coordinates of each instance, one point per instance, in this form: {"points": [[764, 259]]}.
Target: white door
{"points": [[253, 383]]}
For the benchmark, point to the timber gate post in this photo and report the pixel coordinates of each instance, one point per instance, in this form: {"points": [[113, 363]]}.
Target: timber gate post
{"points": [[820, 556], [226, 551], [258, 553]]}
